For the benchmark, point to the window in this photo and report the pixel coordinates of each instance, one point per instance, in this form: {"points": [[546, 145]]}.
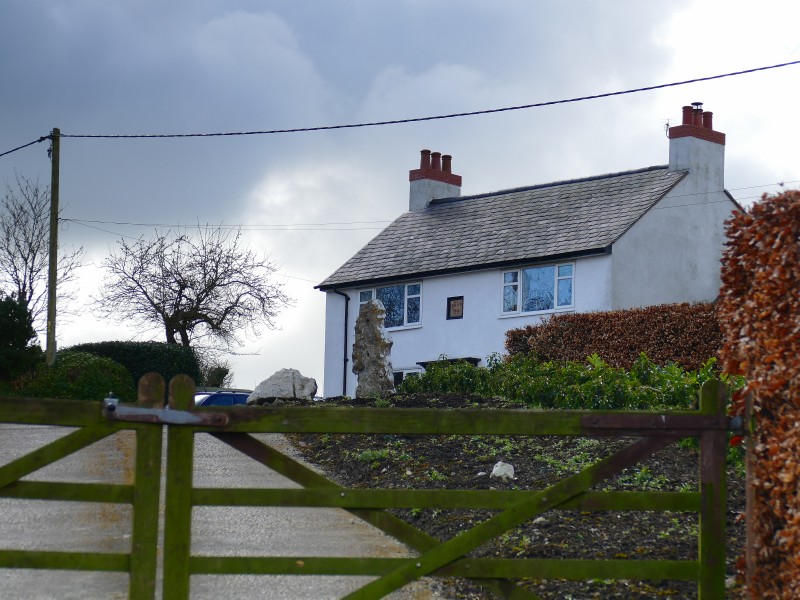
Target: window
{"points": [[403, 302], [537, 289]]}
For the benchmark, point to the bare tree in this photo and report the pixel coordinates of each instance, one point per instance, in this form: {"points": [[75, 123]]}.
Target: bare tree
{"points": [[24, 247], [192, 287]]}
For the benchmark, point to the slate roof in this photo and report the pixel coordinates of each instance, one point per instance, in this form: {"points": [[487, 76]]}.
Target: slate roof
{"points": [[554, 220]]}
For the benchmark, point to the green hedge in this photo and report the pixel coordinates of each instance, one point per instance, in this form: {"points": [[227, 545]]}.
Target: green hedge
{"points": [[686, 334], [146, 357], [80, 376], [592, 385]]}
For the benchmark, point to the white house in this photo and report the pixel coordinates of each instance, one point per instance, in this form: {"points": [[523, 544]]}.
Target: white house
{"points": [[456, 272]]}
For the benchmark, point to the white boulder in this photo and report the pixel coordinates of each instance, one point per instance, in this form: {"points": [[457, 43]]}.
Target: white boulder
{"points": [[503, 471], [286, 383]]}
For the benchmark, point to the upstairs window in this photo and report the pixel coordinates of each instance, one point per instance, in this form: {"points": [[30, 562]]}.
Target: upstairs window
{"points": [[403, 303], [537, 289]]}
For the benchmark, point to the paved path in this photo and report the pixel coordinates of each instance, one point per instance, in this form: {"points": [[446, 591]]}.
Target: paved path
{"points": [[229, 531]]}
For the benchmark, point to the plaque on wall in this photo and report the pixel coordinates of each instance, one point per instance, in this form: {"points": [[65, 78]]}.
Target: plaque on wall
{"points": [[455, 307]]}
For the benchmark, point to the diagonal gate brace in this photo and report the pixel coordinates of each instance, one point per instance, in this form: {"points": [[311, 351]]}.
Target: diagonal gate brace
{"points": [[551, 497], [382, 520]]}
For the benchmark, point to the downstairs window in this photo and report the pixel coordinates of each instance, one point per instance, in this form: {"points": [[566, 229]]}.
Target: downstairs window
{"points": [[403, 303], [536, 289]]}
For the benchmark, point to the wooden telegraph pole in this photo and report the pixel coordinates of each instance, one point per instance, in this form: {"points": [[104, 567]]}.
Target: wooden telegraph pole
{"points": [[55, 152]]}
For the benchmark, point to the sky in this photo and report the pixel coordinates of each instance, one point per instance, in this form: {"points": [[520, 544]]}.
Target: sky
{"points": [[310, 200]]}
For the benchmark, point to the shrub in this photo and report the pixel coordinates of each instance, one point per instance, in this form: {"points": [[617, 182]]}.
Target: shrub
{"points": [[80, 376], [17, 355], [590, 385], [686, 334], [145, 357], [760, 314]]}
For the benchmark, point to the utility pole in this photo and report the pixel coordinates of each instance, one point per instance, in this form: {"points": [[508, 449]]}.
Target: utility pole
{"points": [[55, 155]]}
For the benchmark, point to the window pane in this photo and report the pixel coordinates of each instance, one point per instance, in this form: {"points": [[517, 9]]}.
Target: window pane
{"points": [[565, 271], [413, 289], [412, 308], [510, 277], [392, 298], [509, 298], [564, 292], [365, 296], [538, 288]]}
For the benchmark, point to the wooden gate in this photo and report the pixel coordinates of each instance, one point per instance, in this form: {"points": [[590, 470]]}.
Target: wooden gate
{"points": [[233, 426]]}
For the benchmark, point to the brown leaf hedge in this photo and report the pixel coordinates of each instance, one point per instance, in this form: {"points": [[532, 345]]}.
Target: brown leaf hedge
{"points": [[687, 334], [759, 311]]}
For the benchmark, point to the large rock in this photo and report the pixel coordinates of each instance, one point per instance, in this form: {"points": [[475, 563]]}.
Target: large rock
{"points": [[372, 350], [286, 383]]}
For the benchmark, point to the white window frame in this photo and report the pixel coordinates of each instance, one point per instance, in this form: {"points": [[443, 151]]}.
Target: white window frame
{"points": [[365, 295], [512, 279]]}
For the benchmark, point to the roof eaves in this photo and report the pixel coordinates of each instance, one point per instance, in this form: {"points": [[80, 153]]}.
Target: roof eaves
{"points": [[323, 287]]}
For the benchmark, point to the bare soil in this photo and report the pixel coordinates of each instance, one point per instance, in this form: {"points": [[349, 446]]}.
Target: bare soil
{"points": [[465, 462]]}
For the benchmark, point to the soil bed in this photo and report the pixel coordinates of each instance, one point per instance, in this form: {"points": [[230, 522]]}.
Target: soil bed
{"points": [[465, 462]]}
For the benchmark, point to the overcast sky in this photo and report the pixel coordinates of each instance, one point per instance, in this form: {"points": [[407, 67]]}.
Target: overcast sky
{"points": [[311, 200]]}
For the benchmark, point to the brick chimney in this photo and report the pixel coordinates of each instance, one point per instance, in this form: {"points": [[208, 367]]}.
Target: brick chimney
{"points": [[433, 179], [696, 147]]}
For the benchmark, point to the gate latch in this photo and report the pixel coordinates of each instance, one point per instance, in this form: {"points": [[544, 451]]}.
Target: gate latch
{"points": [[114, 411]]}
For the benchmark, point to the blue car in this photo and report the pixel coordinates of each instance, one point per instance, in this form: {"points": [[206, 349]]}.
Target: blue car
{"points": [[221, 398]]}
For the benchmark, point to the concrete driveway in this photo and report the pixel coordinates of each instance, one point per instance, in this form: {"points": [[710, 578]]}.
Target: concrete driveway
{"points": [[228, 531]]}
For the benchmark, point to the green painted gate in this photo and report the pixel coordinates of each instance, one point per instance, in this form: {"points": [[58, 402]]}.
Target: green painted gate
{"points": [[233, 426]]}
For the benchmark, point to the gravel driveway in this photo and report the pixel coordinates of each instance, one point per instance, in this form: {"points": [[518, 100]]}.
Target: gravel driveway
{"points": [[229, 531]]}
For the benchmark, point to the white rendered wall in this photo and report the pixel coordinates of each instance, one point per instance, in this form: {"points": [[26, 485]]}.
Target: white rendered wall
{"points": [[478, 334], [672, 254]]}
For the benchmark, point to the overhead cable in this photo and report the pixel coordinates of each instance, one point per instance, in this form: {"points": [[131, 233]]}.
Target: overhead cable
{"points": [[437, 117], [410, 120], [41, 139]]}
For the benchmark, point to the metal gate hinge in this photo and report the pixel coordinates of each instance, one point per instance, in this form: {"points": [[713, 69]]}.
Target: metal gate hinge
{"points": [[114, 411]]}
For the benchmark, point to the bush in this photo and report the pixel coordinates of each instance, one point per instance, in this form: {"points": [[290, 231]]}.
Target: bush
{"points": [[593, 385], [80, 376], [17, 355], [145, 357], [686, 334], [216, 376], [760, 314]]}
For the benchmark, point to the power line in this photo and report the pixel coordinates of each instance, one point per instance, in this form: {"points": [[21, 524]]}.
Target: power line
{"points": [[221, 226], [328, 226], [287, 228], [410, 120], [41, 139], [437, 117]]}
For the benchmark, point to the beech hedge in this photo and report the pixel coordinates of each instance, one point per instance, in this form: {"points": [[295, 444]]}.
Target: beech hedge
{"points": [[685, 334], [760, 315]]}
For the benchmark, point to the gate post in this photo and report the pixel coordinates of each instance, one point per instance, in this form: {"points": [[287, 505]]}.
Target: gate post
{"points": [[178, 513], [146, 491], [713, 445]]}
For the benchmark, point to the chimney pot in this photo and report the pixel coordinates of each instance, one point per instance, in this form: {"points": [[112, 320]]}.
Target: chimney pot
{"points": [[433, 180], [425, 159], [697, 123], [697, 117], [447, 163]]}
